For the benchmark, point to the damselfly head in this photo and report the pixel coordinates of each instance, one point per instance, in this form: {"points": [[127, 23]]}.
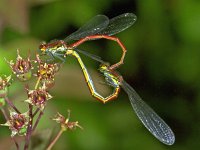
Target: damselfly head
{"points": [[43, 47], [104, 67]]}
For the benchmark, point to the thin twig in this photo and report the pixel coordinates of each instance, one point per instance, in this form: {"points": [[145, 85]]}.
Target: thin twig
{"points": [[29, 130], [36, 111], [4, 113], [37, 121], [55, 139], [12, 105], [37, 83], [16, 143]]}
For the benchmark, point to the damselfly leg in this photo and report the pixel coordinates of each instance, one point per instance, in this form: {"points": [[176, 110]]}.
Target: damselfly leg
{"points": [[90, 83]]}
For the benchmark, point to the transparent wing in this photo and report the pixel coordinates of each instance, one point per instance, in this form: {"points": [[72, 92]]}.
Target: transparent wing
{"points": [[92, 56], [148, 117], [119, 24], [92, 27]]}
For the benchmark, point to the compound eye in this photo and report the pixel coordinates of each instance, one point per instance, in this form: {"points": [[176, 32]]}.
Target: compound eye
{"points": [[42, 47]]}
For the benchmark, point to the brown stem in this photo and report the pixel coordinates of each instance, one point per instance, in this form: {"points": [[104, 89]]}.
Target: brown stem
{"points": [[30, 123], [37, 121], [4, 113], [29, 130], [12, 105], [37, 110], [16, 143], [55, 139]]}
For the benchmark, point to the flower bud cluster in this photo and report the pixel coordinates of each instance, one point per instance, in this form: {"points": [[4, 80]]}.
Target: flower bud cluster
{"points": [[38, 97], [65, 123], [21, 67], [25, 69], [17, 123]]}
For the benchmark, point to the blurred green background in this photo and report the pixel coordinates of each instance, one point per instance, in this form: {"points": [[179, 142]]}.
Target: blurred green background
{"points": [[162, 64]]}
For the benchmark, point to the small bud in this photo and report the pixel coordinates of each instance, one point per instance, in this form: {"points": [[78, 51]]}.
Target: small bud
{"points": [[65, 123], [47, 72], [48, 83], [38, 97], [22, 67], [4, 83], [17, 123]]}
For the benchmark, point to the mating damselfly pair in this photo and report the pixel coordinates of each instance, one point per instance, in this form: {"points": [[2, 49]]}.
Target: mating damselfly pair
{"points": [[100, 27]]}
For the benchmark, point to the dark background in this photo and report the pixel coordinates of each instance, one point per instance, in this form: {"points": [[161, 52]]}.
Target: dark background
{"points": [[162, 64]]}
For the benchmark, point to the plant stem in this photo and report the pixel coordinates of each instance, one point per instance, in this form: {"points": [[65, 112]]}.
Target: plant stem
{"points": [[30, 123], [55, 139], [37, 83], [12, 105], [29, 129], [17, 145], [37, 121], [4, 113], [37, 110]]}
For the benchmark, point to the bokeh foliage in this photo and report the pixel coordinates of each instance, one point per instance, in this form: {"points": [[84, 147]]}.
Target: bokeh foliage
{"points": [[162, 64]]}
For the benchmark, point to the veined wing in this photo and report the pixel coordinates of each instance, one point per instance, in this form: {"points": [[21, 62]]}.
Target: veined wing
{"points": [[119, 24], [92, 27], [92, 56], [148, 117]]}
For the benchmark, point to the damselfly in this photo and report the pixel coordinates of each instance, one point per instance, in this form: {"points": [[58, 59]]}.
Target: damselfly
{"points": [[99, 27], [145, 113]]}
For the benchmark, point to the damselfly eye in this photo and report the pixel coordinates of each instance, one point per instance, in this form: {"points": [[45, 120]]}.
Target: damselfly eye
{"points": [[104, 67], [43, 47]]}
